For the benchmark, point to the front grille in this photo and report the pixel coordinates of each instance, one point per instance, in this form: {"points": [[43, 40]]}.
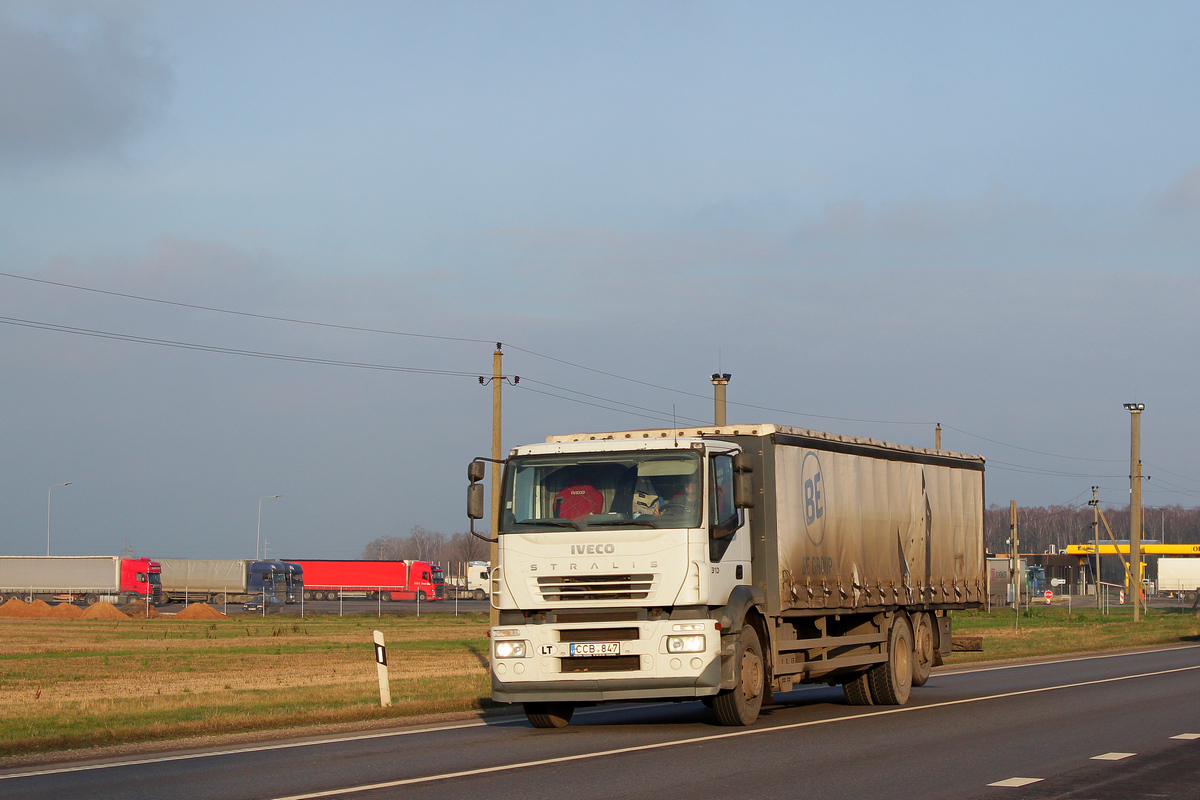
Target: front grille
{"points": [[599, 635], [595, 587], [595, 616], [601, 664]]}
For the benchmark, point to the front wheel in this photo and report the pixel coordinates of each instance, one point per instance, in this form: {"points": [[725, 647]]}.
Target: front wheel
{"points": [[740, 705], [549, 715], [421, 596], [480, 595]]}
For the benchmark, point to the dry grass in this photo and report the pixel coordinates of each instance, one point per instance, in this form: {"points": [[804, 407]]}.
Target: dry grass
{"points": [[1050, 631], [74, 682]]}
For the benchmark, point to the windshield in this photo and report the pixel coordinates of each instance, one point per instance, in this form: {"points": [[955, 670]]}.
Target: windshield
{"points": [[645, 489]]}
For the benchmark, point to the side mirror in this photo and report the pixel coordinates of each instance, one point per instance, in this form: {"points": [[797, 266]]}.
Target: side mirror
{"points": [[475, 472], [743, 481], [475, 498]]}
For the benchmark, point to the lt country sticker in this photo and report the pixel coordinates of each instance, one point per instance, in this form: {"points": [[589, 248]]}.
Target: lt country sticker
{"points": [[815, 502]]}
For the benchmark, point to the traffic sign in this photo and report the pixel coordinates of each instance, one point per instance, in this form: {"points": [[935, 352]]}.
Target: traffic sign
{"points": [[1049, 595]]}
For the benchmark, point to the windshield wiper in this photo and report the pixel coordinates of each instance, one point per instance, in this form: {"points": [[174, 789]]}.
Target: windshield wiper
{"points": [[605, 522], [555, 522]]}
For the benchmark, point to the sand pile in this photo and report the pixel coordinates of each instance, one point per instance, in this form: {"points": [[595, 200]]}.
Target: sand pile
{"points": [[66, 611], [200, 611], [39, 609], [103, 610], [14, 607], [136, 609]]}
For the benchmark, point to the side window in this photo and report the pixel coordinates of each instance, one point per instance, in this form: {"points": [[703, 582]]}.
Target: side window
{"points": [[723, 516], [722, 512]]}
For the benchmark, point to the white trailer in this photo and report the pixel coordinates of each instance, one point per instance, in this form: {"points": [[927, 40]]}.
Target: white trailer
{"points": [[1179, 575], [725, 563]]}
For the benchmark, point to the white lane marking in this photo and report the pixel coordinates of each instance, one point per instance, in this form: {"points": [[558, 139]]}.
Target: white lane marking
{"points": [[1187, 736], [715, 737], [1014, 782], [1068, 660], [1112, 756]]}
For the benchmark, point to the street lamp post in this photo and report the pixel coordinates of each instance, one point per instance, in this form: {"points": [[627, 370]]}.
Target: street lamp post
{"points": [[48, 491], [258, 536]]}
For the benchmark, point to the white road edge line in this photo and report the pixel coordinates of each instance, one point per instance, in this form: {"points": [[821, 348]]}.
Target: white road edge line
{"points": [[1187, 736], [371, 787], [1112, 756], [1071, 659]]}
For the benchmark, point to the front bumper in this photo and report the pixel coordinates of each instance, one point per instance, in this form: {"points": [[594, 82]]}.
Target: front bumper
{"points": [[643, 670]]}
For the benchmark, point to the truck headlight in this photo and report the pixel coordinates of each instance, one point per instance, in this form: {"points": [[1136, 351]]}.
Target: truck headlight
{"points": [[685, 644], [513, 649]]}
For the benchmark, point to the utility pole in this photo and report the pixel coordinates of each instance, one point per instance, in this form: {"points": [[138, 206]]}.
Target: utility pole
{"points": [[1135, 505], [1016, 561], [719, 381], [497, 380], [1095, 504]]}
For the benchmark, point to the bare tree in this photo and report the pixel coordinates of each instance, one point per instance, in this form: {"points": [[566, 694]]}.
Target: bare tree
{"points": [[465, 547], [385, 548]]}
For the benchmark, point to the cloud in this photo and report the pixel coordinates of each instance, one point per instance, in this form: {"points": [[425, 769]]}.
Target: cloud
{"points": [[77, 87]]}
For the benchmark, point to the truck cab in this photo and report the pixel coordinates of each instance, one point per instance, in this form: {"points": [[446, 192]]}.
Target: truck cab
{"points": [[619, 550]]}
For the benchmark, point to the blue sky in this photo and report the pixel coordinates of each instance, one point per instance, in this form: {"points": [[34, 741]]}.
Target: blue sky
{"points": [[872, 215]]}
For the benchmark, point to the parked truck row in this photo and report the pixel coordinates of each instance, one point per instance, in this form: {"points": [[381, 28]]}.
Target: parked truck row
{"points": [[87, 579], [725, 563]]}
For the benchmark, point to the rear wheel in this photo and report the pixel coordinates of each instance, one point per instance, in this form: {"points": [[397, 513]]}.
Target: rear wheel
{"points": [[922, 649], [891, 681], [740, 705], [90, 599], [385, 597], [549, 715], [858, 691]]}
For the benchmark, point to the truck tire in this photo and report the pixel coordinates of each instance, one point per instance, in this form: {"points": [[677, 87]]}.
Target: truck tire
{"points": [[549, 715], [891, 681], [90, 599], [740, 705], [923, 648], [385, 597], [480, 595], [423, 597], [858, 691]]}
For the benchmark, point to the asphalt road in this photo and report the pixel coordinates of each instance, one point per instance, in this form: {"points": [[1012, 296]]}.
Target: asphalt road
{"points": [[1107, 727]]}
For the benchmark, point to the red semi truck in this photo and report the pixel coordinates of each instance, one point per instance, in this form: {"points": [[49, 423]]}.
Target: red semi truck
{"points": [[385, 580]]}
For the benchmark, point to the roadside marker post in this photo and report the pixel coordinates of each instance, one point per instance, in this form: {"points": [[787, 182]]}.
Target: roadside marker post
{"points": [[385, 690]]}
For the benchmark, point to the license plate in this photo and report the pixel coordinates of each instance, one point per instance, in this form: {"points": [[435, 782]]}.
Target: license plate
{"points": [[595, 649]]}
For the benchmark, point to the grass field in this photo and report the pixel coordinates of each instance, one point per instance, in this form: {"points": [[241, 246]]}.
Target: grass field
{"points": [[75, 683]]}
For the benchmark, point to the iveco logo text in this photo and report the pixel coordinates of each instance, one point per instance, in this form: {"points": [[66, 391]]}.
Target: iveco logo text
{"points": [[593, 549]]}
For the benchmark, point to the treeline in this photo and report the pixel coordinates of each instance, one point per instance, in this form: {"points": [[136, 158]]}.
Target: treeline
{"points": [[1038, 527], [422, 544]]}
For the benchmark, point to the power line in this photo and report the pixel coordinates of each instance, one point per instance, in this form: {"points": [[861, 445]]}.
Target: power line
{"points": [[242, 313], [1037, 452], [124, 337]]}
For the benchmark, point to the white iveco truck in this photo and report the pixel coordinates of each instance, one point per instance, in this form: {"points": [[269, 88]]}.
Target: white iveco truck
{"points": [[725, 563]]}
